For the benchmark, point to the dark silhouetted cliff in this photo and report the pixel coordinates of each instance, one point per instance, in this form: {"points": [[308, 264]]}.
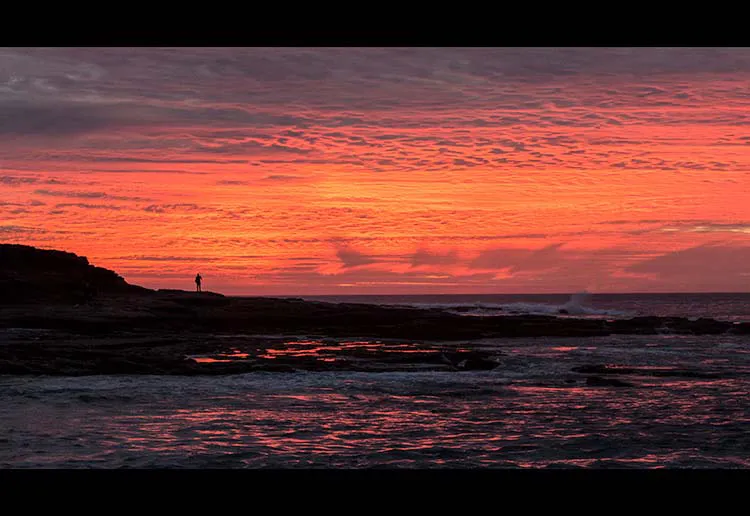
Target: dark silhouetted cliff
{"points": [[28, 274]]}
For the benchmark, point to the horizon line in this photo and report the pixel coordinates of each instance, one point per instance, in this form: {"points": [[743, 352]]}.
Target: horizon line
{"points": [[494, 294]]}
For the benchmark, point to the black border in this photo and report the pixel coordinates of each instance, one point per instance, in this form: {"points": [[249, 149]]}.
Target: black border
{"points": [[467, 486], [377, 24], [469, 25]]}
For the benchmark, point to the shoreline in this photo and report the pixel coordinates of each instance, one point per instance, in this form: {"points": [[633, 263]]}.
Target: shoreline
{"points": [[61, 315], [162, 332]]}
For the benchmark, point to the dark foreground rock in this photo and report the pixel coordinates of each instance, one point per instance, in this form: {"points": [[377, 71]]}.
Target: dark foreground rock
{"points": [[598, 381], [197, 354], [213, 313], [31, 275], [662, 372], [55, 290], [469, 361], [61, 315]]}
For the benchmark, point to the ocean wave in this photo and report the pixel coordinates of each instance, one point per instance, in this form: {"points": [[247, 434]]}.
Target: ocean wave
{"points": [[574, 306]]}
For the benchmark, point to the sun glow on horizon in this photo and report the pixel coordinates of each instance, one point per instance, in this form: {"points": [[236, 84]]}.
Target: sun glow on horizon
{"points": [[323, 171]]}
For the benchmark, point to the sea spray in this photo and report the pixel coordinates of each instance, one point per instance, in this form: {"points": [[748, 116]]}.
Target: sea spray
{"points": [[576, 304]]}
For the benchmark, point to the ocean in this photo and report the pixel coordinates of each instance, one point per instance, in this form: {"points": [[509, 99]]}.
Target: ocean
{"points": [[522, 414], [728, 307]]}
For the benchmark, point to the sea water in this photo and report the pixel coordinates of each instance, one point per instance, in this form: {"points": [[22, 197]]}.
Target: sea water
{"points": [[521, 415]]}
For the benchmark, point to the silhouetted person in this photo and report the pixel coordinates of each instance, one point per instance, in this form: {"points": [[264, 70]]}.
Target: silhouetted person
{"points": [[198, 279]]}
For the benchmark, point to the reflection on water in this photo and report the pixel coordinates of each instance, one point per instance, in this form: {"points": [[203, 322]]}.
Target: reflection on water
{"points": [[235, 356], [522, 414], [322, 350], [328, 351]]}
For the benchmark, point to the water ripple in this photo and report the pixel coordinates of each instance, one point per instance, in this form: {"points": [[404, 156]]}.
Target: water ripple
{"points": [[519, 416]]}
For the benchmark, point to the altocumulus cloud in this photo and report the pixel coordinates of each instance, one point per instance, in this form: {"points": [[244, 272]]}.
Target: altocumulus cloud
{"points": [[10, 229], [710, 261], [282, 177], [17, 180], [351, 258], [510, 130], [425, 257], [69, 92], [87, 195]]}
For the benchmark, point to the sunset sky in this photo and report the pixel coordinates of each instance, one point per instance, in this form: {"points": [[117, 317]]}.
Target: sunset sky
{"points": [[285, 171]]}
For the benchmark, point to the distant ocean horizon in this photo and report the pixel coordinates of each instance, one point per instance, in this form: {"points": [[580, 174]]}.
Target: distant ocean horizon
{"points": [[725, 306], [299, 295]]}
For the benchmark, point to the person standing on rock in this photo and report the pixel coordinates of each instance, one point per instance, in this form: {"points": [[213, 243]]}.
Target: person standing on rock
{"points": [[198, 279]]}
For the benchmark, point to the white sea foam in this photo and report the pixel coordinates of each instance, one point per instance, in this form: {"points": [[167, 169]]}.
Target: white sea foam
{"points": [[576, 305]]}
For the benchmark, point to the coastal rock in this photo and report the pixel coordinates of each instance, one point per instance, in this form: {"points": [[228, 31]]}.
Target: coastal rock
{"points": [[599, 369], [742, 328], [663, 372], [653, 325], [53, 302], [598, 381], [707, 326], [469, 361], [56, 290], [28, 274]]}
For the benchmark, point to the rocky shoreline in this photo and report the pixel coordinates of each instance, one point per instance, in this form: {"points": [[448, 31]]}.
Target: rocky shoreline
{"points": [[179, 311], [158, 333], [63, 316]]}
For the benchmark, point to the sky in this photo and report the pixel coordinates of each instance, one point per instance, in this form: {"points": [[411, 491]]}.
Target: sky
{"points": [[304, 171]]}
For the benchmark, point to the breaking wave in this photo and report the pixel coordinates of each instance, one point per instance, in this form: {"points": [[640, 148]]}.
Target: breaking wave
{"points": [[575, 306]]}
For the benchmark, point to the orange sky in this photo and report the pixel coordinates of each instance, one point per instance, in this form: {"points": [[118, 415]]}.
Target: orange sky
{"points": [[316, 171]]}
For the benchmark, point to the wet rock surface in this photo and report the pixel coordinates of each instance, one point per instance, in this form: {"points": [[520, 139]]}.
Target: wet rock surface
{"points": [[61, 315], [198, 354], [662, 372], [598, 381], [91, 337], [177, 311]]}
